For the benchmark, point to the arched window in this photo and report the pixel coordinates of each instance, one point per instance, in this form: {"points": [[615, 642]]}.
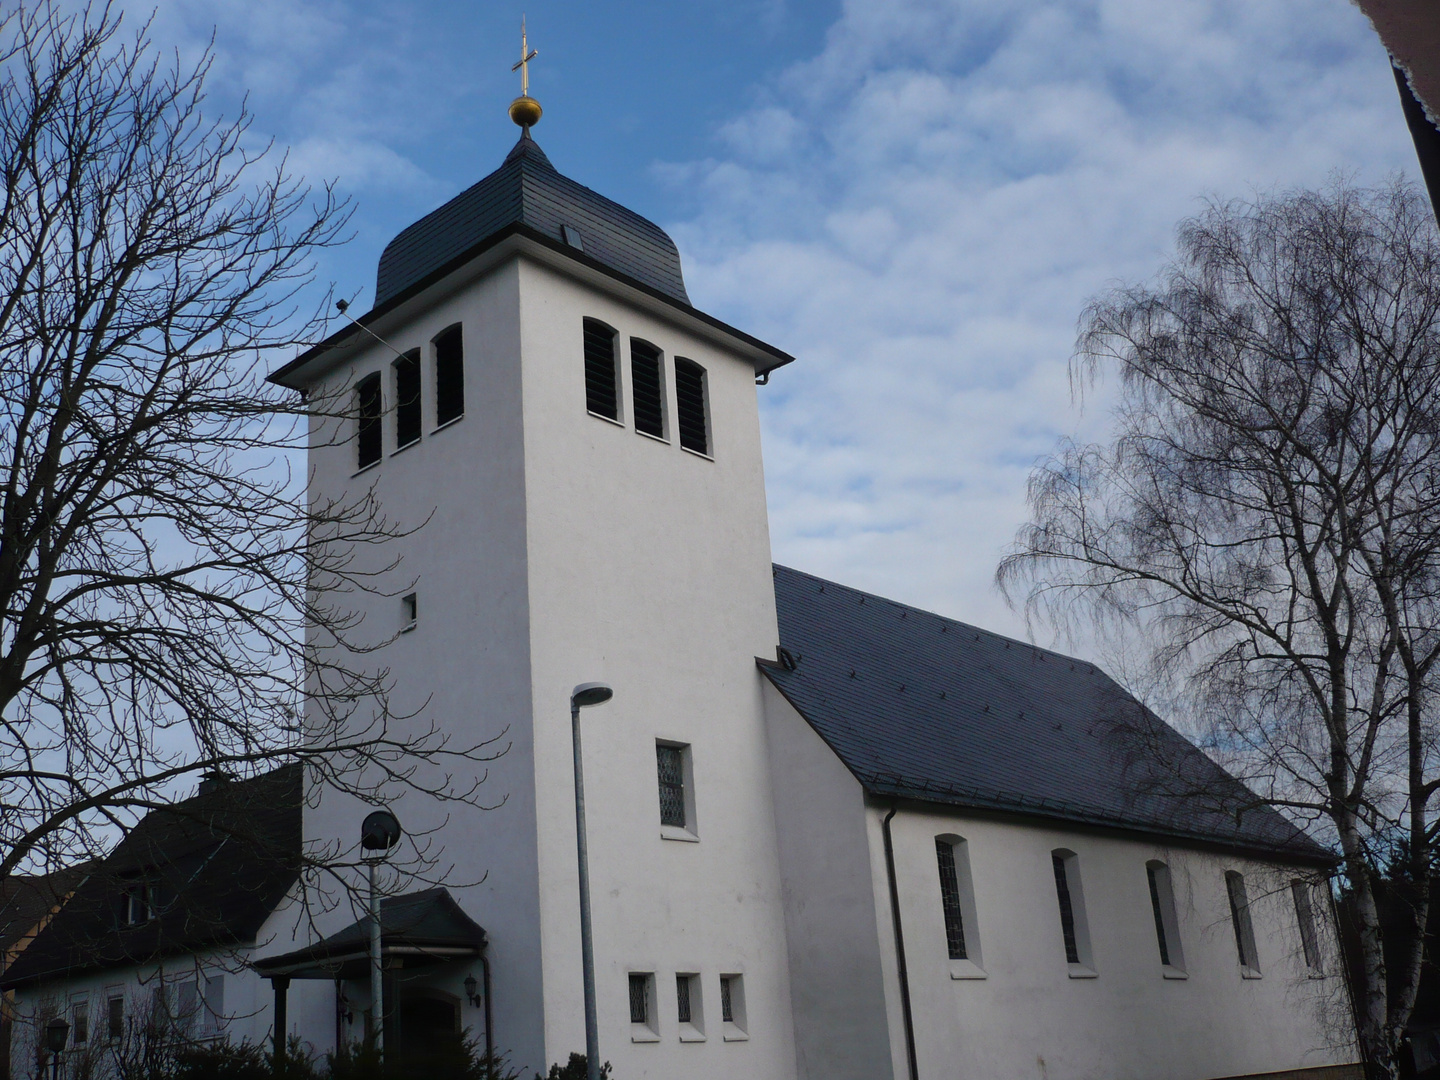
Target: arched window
{"points": [[1074, 929], [1305, 917], [601, 379], [367, 410], [957, 898], [647, 388], [1167, 927], [407, 398], [449, 375], [691, 406], [1240, 920]]}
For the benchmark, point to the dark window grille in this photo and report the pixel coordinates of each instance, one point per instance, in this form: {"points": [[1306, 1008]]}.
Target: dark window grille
{"points": [[640, 999], [682, 997], [407, 399], [1240, 918], [1067, 910], [690, 405], [727, 1002], [950, 899], [1305, 916], [600, 396], [670, 763], [645, 388], [367, 408], [115, 1019], [1151, 872], [449, 376]]}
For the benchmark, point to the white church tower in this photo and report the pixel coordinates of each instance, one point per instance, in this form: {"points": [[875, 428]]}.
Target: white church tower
{"points": [[582, 447]]}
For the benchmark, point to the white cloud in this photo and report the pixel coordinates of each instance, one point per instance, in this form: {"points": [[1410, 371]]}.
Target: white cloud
{"points": [[920, 211]]}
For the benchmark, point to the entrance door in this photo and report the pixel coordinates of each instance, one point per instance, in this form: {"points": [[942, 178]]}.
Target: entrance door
{"points": [[429, 1026]]}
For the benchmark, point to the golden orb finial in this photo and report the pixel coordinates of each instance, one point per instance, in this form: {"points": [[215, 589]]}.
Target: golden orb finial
{"points": [[524, 110]]}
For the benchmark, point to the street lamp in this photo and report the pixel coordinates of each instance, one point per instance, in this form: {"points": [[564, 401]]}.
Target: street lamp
{"points": [[584, 695], [379, 832], [57, 1033]]}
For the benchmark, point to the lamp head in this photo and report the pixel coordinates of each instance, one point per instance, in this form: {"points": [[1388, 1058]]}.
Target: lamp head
{"points": [[380, 831], [57, 1033], [590, 693]]}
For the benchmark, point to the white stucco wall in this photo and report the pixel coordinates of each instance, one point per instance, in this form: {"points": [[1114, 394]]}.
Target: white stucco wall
{"points": [[650, 570]]}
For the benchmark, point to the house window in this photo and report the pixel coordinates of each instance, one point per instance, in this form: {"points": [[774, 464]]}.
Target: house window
{"points": [[682, 998], [409, 612], [732, 1006], [1167, 928], [1073, 927], [80, 1021], [1305, 916], [367, 411], [212, 1003], [950, 898], [1240, 920], [690, 406], [449, 376], [187, 1006], [407, 399], [115, 1017], [601, 383], [642, 1007], [646, 388], [670, 764], [137, 904]]}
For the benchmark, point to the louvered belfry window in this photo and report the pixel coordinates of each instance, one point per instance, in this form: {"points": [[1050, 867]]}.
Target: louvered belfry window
{"points": [[1067, 909], [600, 383], [407, 399], [449, 376], [645, 388], [950, 899], [690, 406], [670, 761], [367, 408]]}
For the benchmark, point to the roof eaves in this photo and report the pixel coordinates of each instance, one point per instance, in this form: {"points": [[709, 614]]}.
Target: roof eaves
{"points": [[282, 376]]}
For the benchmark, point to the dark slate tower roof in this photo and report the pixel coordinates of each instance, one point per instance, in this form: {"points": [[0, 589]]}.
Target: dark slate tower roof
{"points": [[925, 708], [527, 190]]}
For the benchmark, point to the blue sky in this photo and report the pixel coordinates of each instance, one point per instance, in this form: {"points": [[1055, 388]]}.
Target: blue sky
{"points": [[915, 197]]}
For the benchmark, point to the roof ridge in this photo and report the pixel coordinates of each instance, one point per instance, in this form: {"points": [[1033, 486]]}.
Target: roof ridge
{"points": [[1095, 668]]}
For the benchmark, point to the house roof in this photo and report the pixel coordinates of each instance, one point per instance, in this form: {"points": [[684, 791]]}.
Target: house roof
{"points": [[27, 901], [217, 865], [922, 707], [422, 925], [528, 190]]}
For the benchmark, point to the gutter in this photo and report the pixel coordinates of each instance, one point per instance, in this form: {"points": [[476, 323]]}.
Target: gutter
{"points": [[900, 964]]}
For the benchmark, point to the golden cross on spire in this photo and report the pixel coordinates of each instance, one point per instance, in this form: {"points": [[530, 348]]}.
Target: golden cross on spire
{"points": [[523, 64]]}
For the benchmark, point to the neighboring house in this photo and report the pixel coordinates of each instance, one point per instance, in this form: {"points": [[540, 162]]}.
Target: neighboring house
{"points": [[160, 931], [27, 903], [897, 847]]}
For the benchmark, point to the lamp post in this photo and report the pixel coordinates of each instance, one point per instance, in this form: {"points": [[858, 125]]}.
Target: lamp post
{"points": [[57, 1033], [584, 695], [379, 832]]}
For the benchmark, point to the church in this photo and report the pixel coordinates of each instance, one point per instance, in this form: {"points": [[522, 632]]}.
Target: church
{"points": [[830, 836]]}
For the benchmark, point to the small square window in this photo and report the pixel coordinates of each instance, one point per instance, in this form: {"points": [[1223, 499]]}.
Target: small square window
{"points": [[409, 613]]}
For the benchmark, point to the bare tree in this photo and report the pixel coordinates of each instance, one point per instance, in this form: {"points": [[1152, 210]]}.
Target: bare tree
{"points": [[159, 566], [1267, 519]]}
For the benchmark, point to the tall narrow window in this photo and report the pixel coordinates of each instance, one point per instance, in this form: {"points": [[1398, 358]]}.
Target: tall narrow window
{"points": [[732, 1006], [80, 1021], [646, 387], [407, 398], [950, 899], [115, 1016], [1305, 916], [1240, 920], [449, 376], [690, 406], [670, 764], [600, 382], [367, 410], [682, 998], [642, 1007], [213, 1003], [1167, 928], [1073, 928]]}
